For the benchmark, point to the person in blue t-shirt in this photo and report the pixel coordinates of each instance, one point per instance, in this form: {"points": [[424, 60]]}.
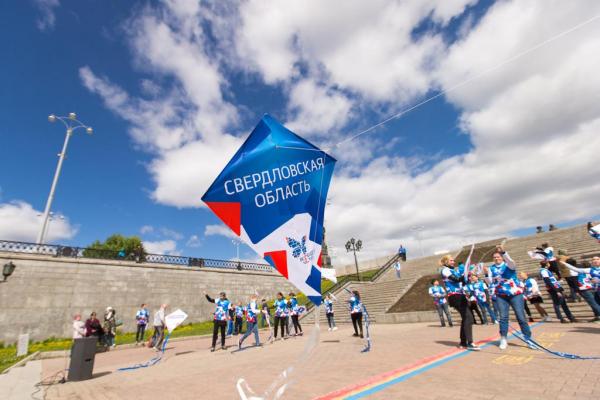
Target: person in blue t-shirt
{"points": [[439, 300], [239, 318], [295, 314], [329, 311], [280, 306], [454, 279], [220, 317], [356, 312], [141, 319], [555, 290], [509, 293], [251, 321]]}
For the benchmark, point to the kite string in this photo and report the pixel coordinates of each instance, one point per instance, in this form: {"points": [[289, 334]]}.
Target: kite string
{"points": [[468, 80]]}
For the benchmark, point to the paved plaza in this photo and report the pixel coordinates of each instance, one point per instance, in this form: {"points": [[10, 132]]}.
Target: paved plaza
{"points": [[408, 361]]}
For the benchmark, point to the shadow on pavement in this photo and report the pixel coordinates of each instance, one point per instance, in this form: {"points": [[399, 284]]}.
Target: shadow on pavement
{"points": [[101, 374], [586, 329]]}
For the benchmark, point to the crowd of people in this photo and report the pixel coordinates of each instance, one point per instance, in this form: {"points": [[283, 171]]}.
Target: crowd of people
{"points": [[286, 315], [492, 290]]}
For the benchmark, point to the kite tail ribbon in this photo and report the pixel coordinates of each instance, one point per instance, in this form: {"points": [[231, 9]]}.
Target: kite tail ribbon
{"points": [[538, 346], [468, 263], [153, 360], [285, 379]]}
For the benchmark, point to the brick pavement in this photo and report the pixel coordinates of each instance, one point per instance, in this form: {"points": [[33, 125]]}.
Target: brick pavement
{"points": [[190, 371]]}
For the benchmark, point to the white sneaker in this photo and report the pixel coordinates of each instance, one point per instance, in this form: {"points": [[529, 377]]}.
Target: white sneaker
{"points": [[503, 343], [547, 318], [496, 322], [329, 329], [335, 328]]}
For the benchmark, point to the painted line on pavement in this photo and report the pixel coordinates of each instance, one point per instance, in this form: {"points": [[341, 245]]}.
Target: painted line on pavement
{"points": [[382, 381]]}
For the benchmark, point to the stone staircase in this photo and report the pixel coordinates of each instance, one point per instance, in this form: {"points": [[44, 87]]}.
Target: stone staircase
{"points": [[579, 245], [378, 296]]}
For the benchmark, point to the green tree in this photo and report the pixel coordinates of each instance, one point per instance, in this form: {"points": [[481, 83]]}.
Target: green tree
{"points": [[116, 246]]}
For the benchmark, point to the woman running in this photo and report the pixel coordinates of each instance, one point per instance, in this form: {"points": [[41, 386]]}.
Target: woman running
{"points": [[532, 293], [454, 279], [356, 312], [251, 321]]}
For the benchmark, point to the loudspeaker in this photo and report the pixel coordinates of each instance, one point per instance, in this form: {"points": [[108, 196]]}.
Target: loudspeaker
{"points": [[83, 353]]}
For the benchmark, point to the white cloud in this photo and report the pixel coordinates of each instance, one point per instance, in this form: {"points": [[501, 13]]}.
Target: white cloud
{"points": [[146, 229], [533, 122], [161, 247], [19, 221], [219, 230], [534, 126], [194, 241], [170, 233], [47, 19], [316, 108]]}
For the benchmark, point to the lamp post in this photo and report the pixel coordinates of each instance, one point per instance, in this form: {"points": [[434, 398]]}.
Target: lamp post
{"points": [[71, 123], [354, 245], [236, 243], [418, 229]]}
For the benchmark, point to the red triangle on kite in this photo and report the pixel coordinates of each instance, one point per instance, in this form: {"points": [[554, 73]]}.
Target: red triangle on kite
{"points": [[279, 260], [230, 214]]}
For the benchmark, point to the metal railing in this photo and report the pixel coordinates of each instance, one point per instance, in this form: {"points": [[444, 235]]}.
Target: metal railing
{"points": [[56, 250]]}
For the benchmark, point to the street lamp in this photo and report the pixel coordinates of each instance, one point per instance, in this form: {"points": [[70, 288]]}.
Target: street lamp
{"points": [[354, 245], [236, 243], [71, 123], [418, 229]]}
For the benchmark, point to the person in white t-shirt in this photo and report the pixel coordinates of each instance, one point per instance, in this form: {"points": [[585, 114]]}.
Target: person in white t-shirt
{"points": [[78, 327]]}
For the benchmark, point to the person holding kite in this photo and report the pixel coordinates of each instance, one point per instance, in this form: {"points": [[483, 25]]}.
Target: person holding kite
{"points": [[454, 279], [220, 317], [509, 293]]}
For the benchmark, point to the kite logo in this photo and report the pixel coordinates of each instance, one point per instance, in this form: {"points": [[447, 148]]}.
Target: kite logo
{"points": [[299, 249]]}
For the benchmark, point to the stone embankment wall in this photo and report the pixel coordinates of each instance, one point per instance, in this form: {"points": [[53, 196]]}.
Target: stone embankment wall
{"points": [[44, 292]]}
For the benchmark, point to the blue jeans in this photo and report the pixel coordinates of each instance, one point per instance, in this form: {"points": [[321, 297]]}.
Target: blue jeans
{"points": [[485, 310], [443, 309], [588, 296], [229, 327], [252, 328], [517, 304]]}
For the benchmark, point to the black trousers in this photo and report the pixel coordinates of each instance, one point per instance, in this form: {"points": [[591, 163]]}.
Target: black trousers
{"points": [[475, 309], [280, 321], [219, 326], [461, 304], [237, 326], [572, 281], [296, 323], [558, 302], [527, 310], [357, 322], [139, 334]]}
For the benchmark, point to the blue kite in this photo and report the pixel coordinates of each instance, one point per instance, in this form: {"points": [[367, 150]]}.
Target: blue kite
{"points": [[272, 195]]}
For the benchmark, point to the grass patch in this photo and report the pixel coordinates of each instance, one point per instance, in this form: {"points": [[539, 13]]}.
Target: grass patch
{"points": [[8, 354]]}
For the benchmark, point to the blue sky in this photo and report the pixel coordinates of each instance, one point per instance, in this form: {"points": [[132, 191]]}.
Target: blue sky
{"points": [[172, 88]]}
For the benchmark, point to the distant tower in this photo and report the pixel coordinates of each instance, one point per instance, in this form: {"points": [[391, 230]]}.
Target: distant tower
{"points": [[325, 259]]}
